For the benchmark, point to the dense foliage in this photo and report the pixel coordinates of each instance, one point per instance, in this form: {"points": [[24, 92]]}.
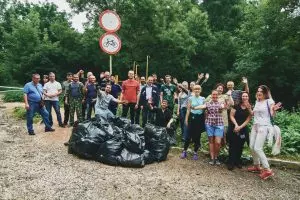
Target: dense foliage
{"points": [[290, 130], [228, 38]]}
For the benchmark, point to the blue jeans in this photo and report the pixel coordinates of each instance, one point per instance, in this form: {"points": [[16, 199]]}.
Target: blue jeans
{"points": [[89, 107], [33, 108], [184, 128], [55, 105]]}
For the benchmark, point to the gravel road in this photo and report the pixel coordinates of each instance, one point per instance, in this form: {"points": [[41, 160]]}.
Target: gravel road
{"points": [[39, 167]]}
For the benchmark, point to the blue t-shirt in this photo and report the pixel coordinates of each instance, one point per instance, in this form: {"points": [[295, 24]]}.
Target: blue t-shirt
{"points": [[33, 92], [196, 101], [115, 90], [75, 93], [91, 91]]}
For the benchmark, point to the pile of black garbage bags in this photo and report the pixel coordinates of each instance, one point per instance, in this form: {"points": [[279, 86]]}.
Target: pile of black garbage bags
{"points": [[118, 142]]}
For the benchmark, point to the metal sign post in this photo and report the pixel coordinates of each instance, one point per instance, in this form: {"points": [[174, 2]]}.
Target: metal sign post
{"points": [[147, 67], [110, 64]]}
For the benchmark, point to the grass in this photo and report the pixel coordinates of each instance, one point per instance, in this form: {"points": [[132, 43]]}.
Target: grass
{"points": [[20, 113], [16, 96]]}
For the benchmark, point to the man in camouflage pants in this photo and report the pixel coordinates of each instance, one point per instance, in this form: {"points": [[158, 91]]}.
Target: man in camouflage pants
{"points": [[74, 97]]}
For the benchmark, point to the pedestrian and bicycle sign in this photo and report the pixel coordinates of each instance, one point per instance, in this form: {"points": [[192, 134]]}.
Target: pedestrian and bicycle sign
{"points": [[110, 43]]}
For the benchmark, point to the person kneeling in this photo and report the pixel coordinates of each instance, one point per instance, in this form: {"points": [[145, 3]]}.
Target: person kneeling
{"points": [[102, 103], [163, 118]]}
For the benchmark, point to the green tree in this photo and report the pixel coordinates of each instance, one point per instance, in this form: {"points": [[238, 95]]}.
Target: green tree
{"points": [[269, 48]]}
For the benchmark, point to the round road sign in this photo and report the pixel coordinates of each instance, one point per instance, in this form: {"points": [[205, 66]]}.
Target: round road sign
{"points": [[110, 43], [109, 21]]}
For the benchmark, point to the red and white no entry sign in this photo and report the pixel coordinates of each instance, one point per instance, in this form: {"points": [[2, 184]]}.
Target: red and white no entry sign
{"points": [[109, 21], [110, 43]]}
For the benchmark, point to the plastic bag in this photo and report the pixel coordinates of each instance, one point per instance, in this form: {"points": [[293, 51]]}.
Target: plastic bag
{"points": [[134, 138], [148, 157], [159, 148], [121, 122], [109, 150], [133, 143], [87, 137], [157, 142], [129, 159], [117, 142]]}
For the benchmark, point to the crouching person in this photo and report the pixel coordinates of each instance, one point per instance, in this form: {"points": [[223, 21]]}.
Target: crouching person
{"points": [[102, 103], [164, 118]]}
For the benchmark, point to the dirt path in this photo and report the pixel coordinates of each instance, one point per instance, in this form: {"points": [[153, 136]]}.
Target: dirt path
{"points": [[39, 167]]}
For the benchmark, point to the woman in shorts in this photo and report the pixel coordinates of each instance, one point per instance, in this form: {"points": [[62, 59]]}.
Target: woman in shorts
{"points": [[214, 126]]}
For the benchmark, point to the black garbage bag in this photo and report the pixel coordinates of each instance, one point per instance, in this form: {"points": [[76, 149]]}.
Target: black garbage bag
{"points": [[129, 159], [153, 131], [118, 142], [109, 151], [157, 142], [148, 157], [87, 137], [121, 122], [159, 148], [134, 138]]}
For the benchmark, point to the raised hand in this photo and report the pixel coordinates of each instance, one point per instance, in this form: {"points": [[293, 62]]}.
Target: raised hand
{"points": [[200, 76], [175, 81], [206, 77], [102, 75], [277, 106]]}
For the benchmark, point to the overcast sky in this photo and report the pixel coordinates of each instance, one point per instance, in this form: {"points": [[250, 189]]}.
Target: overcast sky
{"points": [[77, 20]]}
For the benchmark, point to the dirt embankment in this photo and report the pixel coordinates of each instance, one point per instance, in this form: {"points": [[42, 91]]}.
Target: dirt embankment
{"points": [[39, 167]]}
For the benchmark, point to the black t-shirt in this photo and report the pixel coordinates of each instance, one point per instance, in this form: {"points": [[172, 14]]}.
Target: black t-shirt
{"points": [[162, 118], [240, 117], [158, 85]]}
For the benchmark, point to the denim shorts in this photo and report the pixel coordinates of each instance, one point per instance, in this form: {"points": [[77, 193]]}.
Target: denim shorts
{"points": [[217, 131]]}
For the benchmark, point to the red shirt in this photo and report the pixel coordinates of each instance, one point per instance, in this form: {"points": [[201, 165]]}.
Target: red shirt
{"points": [[130, 89]]}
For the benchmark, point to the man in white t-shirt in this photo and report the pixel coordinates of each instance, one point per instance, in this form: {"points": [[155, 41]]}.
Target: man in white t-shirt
{"points": [[52, 90]]}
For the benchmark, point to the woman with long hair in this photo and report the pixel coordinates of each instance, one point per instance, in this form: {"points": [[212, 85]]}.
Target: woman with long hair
{"points": [[238, 132], [264, 109]]}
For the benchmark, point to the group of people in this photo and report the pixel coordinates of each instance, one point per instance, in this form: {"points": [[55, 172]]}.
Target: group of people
{"points": [[223, 115]]}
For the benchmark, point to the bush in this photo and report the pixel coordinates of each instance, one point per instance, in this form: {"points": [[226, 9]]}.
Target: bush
{"points": [[289, 123], [20, 113], [16, 96]]}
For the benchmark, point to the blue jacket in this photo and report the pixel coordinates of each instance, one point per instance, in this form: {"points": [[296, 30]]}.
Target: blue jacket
{"points": [[155, 96]]}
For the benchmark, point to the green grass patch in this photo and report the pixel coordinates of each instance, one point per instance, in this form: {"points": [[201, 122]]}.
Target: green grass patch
{"points": [[20, 113], [16, 96]]}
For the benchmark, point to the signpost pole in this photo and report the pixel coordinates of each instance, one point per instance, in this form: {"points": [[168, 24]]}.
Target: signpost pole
{"points": [[147, 67], [110, 64], [133, 66]]}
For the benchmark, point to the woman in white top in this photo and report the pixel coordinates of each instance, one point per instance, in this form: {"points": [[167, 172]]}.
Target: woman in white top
{"points": [[264, 108]]}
